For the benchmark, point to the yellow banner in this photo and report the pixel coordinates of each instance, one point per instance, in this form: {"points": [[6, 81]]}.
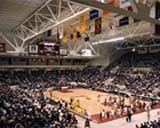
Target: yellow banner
{"points": [[74, 33], [82, 23], [64, 37]]}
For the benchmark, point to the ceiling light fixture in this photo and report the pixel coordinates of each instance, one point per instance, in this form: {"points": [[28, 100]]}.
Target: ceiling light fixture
{"points": [[109, 40]]}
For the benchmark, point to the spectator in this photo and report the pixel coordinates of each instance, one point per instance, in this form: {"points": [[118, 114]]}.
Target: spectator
{"points": [[87, 123]]}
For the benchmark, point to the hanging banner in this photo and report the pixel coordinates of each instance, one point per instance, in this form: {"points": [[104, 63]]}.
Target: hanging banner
{"points": [[78, 34], [58, 41], [44, 35], [111, 4], [82, 23], [60, 30], [54, 31], [49, 32], [98, 25], [74, 34], [93, 14], [124, 3], [64, 37]]}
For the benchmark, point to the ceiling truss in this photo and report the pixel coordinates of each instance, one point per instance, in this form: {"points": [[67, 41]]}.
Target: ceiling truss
{"points": [[141, 8], [148, 41], [55, 12], [49, 16]]}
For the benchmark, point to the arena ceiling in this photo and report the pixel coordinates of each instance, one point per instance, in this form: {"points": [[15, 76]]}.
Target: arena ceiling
{"points": [[14, 12], [26, 20]]}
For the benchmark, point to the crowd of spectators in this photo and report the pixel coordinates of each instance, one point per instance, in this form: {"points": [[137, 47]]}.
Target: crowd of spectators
{"points": [[138, 73], [20, 109], [149, 124], [44, 79], [16, 106]]}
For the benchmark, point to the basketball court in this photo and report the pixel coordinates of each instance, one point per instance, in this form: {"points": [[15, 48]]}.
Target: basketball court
{"points": [[88, 99]]}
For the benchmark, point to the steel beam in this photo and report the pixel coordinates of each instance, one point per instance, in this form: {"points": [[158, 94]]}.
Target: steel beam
{"points": [[58, 23], [52, 14], [8, 41], [69, 5], [39, 9], [59, 9], [39, 23], [141, 15]]}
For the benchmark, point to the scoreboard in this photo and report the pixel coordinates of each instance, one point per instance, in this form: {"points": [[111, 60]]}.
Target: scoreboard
{"points": [[48, 48]]}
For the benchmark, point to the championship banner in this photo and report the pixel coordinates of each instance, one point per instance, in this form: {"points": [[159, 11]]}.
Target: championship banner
{"points": [[98, 25], [54, 31], [74, 34], [93, 14], [64, 37], [60, 30], [59, 34], [49, 33], [124, 3], [106, 11], [78, 34], [82, 23], [58, 41], [44, 35]]}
